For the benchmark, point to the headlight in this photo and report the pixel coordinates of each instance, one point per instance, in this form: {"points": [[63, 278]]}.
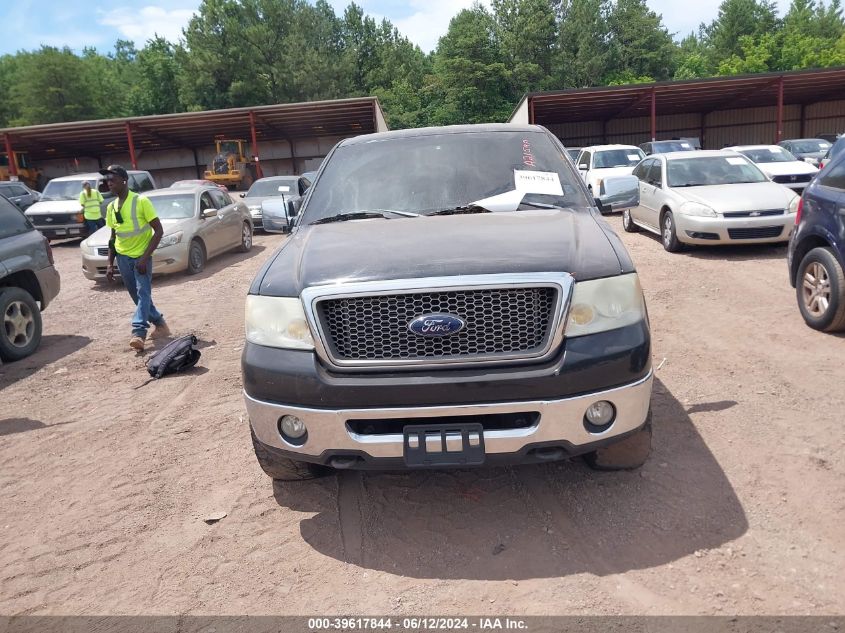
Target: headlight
{"points": [[277, 322], [793, 204], [255, 208], [701, 210], [170, 240], [605, 304]]}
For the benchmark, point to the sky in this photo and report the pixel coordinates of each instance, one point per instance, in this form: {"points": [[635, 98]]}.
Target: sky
{"points": [[27, 24]]}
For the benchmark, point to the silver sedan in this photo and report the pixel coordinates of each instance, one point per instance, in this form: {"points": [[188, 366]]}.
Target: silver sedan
{"points": [[199, 222], [709, 197]]}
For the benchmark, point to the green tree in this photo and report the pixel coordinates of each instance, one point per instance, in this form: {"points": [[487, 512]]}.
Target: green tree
{"points": [[525, 32], [155, 89], [51, 87], [639, 44], [738, 18], [582, 48], [470, 81], [755, 57]]}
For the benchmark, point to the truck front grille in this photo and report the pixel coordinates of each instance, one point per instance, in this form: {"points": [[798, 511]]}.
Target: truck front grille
{"points": [[54, 219], [500, 323]]}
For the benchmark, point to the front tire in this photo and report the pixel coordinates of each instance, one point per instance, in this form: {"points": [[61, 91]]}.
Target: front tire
{"points": [[196, 257], [669, 234], [20, 324], [283, 468], [246, 238], [628, 222], [820, 290], [628, 453]]}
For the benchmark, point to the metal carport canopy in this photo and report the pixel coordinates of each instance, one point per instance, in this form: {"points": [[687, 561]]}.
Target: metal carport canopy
{"points": [[191, 130], [682, 97]]}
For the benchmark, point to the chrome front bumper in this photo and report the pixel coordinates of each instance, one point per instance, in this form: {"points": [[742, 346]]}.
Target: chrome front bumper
{"points": [[165, 260], [559, 421], [719, 226]]}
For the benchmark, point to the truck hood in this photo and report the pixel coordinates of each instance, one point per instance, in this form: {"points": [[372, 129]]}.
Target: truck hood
{"points": [[751, 196], [54, 206], [559, 240]]}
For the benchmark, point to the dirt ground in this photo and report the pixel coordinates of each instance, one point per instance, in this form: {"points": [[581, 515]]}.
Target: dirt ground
{"points": [[740, 509]]}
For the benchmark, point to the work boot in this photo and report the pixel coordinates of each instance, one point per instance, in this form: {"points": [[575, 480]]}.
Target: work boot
{"points": [[161, 331], [137, 343]]}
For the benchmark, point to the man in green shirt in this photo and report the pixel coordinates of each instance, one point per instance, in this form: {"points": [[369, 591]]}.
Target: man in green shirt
{"points": [[90, 200], [135, 234]]}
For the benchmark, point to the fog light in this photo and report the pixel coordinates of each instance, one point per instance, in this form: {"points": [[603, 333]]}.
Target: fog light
{"points": [[293, 429], [600, 414]]}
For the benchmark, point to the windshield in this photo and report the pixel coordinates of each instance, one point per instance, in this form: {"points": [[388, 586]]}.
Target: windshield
{"points": [[810, 146], [837, 148], [712, 170], [275, 187], [768, 155], [434, 172], [176, 207], [64, 189], [664, 147], [627, 157]]}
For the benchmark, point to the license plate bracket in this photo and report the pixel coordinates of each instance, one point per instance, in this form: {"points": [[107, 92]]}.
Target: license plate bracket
{"points": [[434, 445]]}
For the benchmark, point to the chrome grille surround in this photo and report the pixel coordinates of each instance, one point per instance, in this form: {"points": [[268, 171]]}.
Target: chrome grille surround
{"points": [[451, 289]]}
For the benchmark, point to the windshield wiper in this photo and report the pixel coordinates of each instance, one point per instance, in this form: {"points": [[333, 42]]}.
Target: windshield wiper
{"points": [[540, 205], [468, 208], [691, 184], [364, 215]]}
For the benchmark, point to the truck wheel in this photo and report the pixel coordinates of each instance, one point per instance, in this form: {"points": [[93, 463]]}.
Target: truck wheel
{"points": [[626, 454], [20, 324], [283, 468]]}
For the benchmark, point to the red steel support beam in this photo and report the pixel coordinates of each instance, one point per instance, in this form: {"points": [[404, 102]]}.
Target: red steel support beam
{"points": [[13, 167], [653, 114], [129, 140], [255, 144], [779, 134], [530, 111]]}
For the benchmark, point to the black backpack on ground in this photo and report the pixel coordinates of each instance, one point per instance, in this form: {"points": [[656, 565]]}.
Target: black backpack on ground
{"points": [[174, 357]]}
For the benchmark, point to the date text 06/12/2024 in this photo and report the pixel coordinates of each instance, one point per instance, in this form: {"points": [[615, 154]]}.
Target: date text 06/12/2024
{"points": [[416, 624]]}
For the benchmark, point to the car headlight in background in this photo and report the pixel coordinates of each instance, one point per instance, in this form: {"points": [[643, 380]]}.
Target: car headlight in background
{"points": [[793, 204], [605, 304], [697, 209], [277, 322], [255, 209], [170, 240]]}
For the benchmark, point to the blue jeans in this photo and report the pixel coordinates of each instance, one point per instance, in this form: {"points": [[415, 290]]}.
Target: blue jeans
{"points": [[92, 225], [140, 288]]}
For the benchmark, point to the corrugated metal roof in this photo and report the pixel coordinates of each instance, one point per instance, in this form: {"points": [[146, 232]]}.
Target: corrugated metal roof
{"points": [[678, 97], [341, 117]]}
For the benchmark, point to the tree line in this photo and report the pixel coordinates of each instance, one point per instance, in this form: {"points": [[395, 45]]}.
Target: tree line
{"points": [[252, 52]]}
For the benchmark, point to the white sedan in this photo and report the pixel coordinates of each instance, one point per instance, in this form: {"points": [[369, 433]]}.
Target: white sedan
{"points": [[709, 197], [779, 165], [602, 161]]}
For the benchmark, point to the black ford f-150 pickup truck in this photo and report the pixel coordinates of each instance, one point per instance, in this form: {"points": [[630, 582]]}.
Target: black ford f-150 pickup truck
{"points": [[449, 297]]}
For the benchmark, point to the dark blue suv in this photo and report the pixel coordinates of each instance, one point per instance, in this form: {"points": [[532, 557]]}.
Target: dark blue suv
{"points": [[817, 250]]}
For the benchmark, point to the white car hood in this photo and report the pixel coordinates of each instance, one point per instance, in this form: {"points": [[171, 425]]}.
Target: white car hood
{"points": [[101, 237], [796, 167], [54, 206], [753, 196]]}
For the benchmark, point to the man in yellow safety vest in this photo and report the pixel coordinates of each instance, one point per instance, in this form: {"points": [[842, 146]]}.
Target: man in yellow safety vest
{"points": [[90, 200], [135, 234]]}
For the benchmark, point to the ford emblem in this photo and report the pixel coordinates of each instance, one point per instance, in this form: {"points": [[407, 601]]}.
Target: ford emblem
{"points": [[436, 325]]}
